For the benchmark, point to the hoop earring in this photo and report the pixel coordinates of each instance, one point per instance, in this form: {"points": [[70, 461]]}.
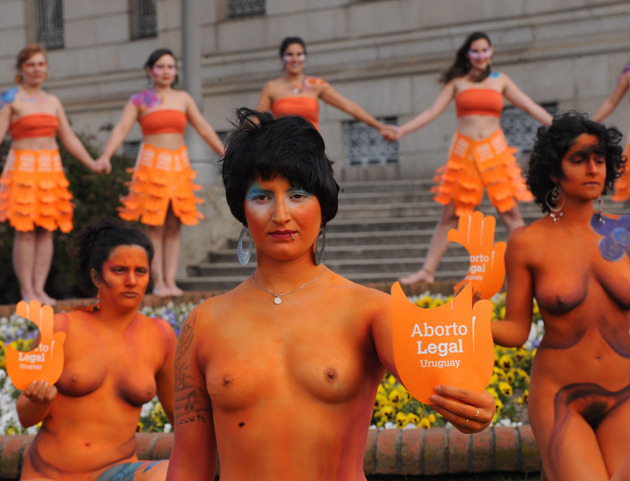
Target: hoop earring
{"points": [[600, 218], [242, 254], [320, 246], [552, 198]]}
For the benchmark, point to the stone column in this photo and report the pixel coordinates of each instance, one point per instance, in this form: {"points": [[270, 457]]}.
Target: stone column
{"points": [[201, 156]]}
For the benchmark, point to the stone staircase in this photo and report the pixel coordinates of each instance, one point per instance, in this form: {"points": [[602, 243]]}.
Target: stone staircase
{"points": [[381, 232]]}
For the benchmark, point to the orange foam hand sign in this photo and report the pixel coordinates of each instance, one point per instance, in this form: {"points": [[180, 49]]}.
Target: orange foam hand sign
{"points": [[45, 362], [487, 262], [450, 344]]}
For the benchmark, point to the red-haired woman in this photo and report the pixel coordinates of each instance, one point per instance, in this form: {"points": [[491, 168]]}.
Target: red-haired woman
{"points": [[34, 195]]}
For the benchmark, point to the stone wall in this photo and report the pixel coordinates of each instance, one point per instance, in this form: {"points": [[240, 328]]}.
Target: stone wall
{"points": [[390, 453], [384, 54]]}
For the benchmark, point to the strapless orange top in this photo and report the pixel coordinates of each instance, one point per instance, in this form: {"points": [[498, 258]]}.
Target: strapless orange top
{"points": [[479, 102], [34, 125], [163, 122], [307, 107]]}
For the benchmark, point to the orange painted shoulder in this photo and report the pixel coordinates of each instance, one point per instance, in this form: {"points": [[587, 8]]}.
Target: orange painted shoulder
{"points": [[314, 82]]}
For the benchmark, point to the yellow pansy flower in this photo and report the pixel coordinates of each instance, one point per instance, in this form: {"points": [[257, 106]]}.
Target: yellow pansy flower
{"points": [[505, 388]]}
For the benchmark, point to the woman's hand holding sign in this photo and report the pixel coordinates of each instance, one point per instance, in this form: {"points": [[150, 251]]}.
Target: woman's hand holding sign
{"points": [[487, 264], [35, 372], [446, 346]]}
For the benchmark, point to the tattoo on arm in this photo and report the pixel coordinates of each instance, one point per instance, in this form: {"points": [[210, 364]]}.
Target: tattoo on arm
{"points": [[191, 398]]}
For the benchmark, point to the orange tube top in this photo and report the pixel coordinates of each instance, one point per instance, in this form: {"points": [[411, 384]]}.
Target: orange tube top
{"points": [[479, 102], [163, 122], [34, 125], [307, 107]]}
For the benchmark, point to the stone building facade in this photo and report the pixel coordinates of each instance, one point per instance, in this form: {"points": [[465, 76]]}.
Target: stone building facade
{"points": [[384, 54]]}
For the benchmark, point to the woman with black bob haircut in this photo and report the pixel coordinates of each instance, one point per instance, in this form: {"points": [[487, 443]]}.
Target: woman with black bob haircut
{"points": [[290, 147], [295, 353], [575, 262], [554, 141], [115, 360]]}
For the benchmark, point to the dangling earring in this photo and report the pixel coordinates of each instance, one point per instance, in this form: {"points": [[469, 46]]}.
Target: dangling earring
{"points": [[600, 217], [552, 198], [320, 246], [97, 306], [242, 254]]}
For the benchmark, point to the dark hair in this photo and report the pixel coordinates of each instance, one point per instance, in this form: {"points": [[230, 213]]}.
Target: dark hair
{"points": [[289, 146], [94, 244], [26, 53], [290, 41], [461, 66], [553, 142], [157, 55]]}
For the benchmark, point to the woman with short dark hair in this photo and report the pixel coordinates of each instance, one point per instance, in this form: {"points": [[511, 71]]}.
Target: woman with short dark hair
{"points": [[279, 375]]}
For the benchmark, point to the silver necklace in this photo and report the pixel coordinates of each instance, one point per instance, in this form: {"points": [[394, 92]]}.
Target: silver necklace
{"points": [[278, 297]]}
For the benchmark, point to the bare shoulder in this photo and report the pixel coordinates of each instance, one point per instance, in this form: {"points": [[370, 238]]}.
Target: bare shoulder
{"points": [[182, 95], [215, 310], [526, 241], [158, 323], [364, 299], [54, 100], [272, 86]]}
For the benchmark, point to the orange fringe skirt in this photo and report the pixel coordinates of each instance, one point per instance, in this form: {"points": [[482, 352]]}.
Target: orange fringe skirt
{"points": [[161, 177], [34, 191], [622, 185], [475, 164]]}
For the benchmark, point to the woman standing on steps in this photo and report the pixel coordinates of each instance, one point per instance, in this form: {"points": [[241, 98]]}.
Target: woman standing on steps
{"points": [[479, 156], [296, 93], [622, 186], [161, 194], [34, 195]]}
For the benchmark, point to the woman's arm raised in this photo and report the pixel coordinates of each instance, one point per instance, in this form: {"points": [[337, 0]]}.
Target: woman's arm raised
{"points": [[520, 99], [203, 128], [610, 104]]}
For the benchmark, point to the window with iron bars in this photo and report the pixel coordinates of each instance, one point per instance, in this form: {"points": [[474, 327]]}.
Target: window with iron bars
{"points": [[143, 18], [520, 128], [49, 23], [245, 8], [365, 146]]}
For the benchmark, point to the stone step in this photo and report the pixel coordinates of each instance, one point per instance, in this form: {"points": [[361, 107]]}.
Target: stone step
{"points": [[382, 231], [345, 266], [219, 283], [385, 225], [349, 250], [375, 186]]}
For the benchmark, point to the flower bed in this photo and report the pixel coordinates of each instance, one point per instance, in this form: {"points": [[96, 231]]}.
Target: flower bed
{"points": [[393, 407]]}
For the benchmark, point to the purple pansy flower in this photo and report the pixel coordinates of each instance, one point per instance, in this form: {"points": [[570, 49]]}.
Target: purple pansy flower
{"points": [[8, 96], [148, 98], [616, 236]]}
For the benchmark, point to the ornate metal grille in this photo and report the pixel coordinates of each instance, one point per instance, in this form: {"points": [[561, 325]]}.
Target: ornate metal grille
{"points": [[131, 148], [245, 8], [365, 146], [520, 127], [49, 23], [143, 18]]}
